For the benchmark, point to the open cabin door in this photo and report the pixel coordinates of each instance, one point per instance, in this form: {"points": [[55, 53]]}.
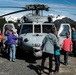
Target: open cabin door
{"points": [[64, 28]]}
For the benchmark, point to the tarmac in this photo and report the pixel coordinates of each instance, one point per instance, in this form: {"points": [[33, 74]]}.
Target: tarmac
{"points": [[69, 69], [26, 64]]}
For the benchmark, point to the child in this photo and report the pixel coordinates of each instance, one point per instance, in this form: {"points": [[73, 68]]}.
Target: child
{"points": [[67, 46], [57, 54], [57, 58]]}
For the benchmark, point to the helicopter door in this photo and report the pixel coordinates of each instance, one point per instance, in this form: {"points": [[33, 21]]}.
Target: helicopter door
{"points": [[64, 28], [5, 28]]}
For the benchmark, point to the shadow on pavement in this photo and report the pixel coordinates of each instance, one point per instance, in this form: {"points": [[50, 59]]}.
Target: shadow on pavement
{"points": [[27, 56], [35, 68], [22, 55]]}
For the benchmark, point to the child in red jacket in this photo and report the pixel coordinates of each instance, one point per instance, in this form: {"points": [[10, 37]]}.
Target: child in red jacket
{"points": [[67, 46]]}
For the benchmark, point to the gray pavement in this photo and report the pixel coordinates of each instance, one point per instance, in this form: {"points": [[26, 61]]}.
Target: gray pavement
{"points": [[26, 64]]}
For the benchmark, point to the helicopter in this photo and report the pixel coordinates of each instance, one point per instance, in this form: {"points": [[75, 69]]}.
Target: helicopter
{"points": [[35, 26]]}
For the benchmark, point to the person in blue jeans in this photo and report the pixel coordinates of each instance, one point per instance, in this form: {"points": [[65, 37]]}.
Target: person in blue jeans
{"points": [[57, 59], [12, 44]]}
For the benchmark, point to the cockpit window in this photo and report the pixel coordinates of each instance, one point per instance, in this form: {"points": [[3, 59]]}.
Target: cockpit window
{"points": [[65, 30], [37, 28], [27, 29], [46, 28]]}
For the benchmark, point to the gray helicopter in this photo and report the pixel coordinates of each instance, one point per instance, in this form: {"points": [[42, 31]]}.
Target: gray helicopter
{"points": [[35, 26]]}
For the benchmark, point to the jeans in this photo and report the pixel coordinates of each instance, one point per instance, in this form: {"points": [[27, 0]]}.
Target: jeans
{"points": [[12, 52], [74, 48], [57, 62], [66, 57], [45, 55]]}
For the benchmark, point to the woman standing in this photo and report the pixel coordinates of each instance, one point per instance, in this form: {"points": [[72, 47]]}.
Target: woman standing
{"points": [[12, 44]]}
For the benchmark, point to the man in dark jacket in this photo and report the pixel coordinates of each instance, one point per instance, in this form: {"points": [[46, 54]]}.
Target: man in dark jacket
{"points": [[74, 40]]}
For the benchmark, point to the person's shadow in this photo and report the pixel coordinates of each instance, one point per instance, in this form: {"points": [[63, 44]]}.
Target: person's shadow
{"points": [[37, 68]]}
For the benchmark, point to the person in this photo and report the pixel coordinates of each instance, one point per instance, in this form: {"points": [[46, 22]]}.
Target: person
{"points": [[74, 40], [57, 55], [12, 44], [5, 41], [57, 59], [48, 50], [0, 41], [67, 47]]}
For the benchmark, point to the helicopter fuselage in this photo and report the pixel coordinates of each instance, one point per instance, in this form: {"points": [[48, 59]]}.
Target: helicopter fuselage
{"points": [[35, 28], [33, 31]]}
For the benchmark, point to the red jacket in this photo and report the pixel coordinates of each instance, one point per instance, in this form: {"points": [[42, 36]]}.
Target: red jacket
{"points": [[0, 37]]}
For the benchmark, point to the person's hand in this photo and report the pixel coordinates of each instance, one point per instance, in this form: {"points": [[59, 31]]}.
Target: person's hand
{"points": [[3, 45], [61, 47], [14, 34], [71, 49]]}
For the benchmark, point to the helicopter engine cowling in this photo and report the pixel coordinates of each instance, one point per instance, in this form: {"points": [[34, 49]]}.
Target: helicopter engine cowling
{"points": [[49, 19]]}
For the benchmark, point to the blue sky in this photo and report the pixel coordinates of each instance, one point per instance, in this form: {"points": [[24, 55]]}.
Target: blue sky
{"points": [[52, 3]]}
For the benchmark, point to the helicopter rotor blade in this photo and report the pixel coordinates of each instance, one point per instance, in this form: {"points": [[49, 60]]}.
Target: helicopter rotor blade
{"points": [[61, 11], [51, 6], [73, 14], [36, 7], [12, 7], [13, 12], [61, 6]]}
